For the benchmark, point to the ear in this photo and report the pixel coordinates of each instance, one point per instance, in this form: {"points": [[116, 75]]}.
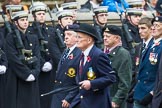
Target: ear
{"points": [[16, 22], [59, 22], [128, 17]]}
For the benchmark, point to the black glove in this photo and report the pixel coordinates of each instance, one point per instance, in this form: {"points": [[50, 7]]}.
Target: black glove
{"points": [[146, 100]]}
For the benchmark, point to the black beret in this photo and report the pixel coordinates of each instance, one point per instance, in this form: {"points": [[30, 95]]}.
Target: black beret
{"points": [[158, 6], [112, 29], [72, 27], [87, 29], [157, 19]]}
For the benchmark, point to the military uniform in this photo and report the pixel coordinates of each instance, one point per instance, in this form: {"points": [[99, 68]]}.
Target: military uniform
{"points": [[121, 63], [93, 70], [147, 70], [56, 42], [65, 77], [43, 32], [99, 28], [3, 62], [23, 54]]}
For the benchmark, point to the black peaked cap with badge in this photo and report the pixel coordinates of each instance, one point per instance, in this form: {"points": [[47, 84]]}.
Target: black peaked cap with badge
{"points": [[157, 19], [72, 27], [87, 29], [112, 29]]}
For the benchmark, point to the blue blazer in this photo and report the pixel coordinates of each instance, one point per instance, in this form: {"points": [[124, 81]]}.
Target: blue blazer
{"points": [[147, 70], [65, 77], [98, 70]]}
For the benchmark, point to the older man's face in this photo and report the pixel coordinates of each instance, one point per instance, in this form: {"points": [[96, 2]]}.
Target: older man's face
{"points": [[157, 30], [83, 41]]}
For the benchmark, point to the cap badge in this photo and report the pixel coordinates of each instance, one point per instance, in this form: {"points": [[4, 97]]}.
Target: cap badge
{"points": [[107, 29], [156, 19]]}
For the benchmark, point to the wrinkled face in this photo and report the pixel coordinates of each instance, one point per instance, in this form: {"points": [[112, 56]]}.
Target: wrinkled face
{"points": [[157, 30], [134, 19], [22, 23], [109, 39], [144, 31], [66, 21], [40, 16], [102, 18], [83, 41], [70, 38]]}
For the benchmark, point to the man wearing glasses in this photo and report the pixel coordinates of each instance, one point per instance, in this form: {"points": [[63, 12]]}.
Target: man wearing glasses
{"points": [[148, 68]]}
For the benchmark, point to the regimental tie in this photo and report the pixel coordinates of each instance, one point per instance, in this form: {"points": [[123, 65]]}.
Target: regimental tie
{"points": [[81, 64], [65, 55], [143, 48]]}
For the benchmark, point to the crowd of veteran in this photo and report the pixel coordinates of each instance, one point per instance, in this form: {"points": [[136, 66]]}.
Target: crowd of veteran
{"points": [[71, 64]]}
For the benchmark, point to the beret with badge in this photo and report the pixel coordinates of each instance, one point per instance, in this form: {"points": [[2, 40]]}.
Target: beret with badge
{"points": [[112, 29], [72, 27], [157, 19]]}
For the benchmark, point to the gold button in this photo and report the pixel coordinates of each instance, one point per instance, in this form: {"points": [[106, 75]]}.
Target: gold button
{"points": [[80, 87], [55, 81]]}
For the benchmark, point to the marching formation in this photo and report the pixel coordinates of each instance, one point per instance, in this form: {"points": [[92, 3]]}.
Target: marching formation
{"points": [[72, 64]]}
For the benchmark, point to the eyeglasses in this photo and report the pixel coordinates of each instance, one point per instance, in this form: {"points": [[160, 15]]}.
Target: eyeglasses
{"points": [[157, 25]]}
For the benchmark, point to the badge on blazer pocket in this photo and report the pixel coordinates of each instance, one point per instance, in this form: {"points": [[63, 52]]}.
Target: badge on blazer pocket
{"points": [[71, 72], [90, 74]]}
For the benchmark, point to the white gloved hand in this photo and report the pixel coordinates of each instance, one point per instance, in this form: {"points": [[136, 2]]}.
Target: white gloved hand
{"points": [[30, 78], [2, 69], [47, 67]]}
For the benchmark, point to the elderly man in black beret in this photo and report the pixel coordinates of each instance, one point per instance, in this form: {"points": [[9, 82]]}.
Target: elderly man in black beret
{"points": [[67, 69], [95, 72], [157, 94], [148, 70], [120, 61]]}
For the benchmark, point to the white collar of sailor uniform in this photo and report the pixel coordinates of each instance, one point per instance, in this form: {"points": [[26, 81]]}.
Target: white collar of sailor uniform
{"points": [[71, 49]]}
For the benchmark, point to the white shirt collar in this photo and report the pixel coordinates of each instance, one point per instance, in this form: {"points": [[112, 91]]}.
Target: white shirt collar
{"points": [[86, 52], [71, 49], [147, 42]]}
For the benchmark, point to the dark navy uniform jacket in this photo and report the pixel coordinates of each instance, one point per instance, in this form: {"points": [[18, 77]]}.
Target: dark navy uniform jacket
{"points": [[45, 78], [157, 97], [65, 77], [148, 70], [97, 69], [19, 92], [3, 61]]}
